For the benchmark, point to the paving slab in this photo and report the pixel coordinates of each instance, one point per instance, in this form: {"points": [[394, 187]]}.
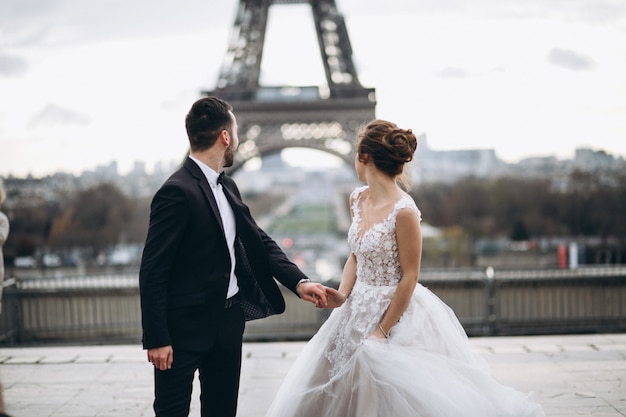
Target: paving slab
{"points": [[570, 375]]}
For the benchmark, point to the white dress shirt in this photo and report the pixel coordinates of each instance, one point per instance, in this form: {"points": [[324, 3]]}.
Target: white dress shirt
{"points": [[228, 220]]}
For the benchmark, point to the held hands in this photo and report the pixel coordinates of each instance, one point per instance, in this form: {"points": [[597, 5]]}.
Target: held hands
{"points": [[161, 357], [313, 292], [320, 295]]}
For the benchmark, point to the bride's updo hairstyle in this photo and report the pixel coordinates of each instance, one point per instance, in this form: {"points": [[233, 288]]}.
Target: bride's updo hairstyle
{"points": [[389, 147]]}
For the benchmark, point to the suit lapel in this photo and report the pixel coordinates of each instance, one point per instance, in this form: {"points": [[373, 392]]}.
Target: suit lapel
{"points": [[197, 173], [235, 203]]}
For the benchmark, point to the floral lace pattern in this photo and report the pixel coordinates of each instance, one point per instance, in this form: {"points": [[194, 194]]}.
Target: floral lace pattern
{"points": [[376, 249], [378, 274]]}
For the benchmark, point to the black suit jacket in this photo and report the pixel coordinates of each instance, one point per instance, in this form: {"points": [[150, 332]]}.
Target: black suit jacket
{"points": [[185, 267]]}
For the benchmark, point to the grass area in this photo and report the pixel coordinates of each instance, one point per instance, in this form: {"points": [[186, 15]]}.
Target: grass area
{"points": [[307, 218]]}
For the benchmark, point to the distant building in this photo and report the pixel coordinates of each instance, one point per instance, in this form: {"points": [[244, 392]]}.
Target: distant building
{"points": [[589, 160], [428, 166], [139, 168], [447, 166]]}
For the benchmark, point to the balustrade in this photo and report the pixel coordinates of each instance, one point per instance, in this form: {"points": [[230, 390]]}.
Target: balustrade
{"points": [[106, 309]]}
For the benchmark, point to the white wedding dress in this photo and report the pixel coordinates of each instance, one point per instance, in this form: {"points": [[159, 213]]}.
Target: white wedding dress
{"points": [[425, 369]]}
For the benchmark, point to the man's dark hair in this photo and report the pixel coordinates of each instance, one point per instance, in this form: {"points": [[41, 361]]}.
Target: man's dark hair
{"points": [[205, 120]]}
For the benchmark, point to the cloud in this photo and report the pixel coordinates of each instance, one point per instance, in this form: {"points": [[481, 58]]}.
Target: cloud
{"points": [[597, 12], [79, 21], [453, 72], [55, 115], [568, 59], [12, 65]]}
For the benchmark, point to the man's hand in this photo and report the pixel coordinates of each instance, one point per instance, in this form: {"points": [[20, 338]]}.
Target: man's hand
{"points": [[313, 292], [161, 357]]}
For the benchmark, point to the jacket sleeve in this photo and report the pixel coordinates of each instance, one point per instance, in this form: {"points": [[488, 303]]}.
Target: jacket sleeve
{"points": [[283, 269], [168, 219]]}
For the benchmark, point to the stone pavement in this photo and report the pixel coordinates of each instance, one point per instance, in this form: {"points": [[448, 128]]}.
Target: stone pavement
{"points": [[572, 375]]}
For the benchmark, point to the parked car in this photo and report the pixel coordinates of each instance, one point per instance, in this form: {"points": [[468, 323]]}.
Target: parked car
{"points": [[51, 260], [25, 262]]}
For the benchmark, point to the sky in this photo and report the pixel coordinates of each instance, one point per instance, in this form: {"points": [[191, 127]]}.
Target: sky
{"points": [[86, 82]]}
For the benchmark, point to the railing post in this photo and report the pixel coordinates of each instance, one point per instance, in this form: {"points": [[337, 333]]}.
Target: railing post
{"points": [[491, 301]]}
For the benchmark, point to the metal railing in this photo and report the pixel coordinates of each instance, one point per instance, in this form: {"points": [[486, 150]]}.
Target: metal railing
{"points": [[105, 308]]}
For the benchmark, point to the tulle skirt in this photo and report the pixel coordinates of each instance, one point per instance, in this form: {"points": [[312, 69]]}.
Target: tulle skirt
{"points": [[425, 369]]}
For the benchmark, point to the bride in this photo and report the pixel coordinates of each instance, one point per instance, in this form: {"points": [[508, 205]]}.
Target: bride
{"points": [[391, 347]]}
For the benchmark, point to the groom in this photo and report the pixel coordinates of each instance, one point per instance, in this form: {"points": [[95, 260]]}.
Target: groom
{"points": [[206, 269]]}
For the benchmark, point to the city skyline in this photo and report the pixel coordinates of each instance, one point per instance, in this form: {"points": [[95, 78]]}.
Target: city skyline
{"points": [[455, 163], [87, 84]]}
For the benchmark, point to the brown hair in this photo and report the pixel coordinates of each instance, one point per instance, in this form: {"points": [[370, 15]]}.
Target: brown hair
{"points": [[389, 147], [206, 120]]}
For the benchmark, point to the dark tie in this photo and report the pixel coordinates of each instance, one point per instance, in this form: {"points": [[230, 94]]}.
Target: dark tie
{"points": [[220, 178]]}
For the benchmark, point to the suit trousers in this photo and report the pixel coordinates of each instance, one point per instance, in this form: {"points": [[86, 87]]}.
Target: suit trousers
{"points": [[219, 372]]}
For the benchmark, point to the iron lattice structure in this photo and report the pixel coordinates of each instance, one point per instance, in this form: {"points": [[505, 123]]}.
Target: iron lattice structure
{"points": [[273, 118]]}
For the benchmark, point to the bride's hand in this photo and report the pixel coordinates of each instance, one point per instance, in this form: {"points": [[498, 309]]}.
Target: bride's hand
{"points": [[377, 335], [334, 298]]}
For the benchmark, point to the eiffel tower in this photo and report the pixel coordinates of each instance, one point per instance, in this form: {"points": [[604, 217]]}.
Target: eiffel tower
{"points": [[274, 118]]}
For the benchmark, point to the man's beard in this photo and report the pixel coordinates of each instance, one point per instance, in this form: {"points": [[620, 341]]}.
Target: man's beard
{"points": [[229, 156]]}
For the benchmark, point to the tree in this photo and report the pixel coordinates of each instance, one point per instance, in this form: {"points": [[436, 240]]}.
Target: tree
{"points": [[97, 217], [519, 232], [593, 204]]}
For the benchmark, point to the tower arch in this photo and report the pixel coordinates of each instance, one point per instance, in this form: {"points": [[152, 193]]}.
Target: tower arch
{"points": [[272, 118]]}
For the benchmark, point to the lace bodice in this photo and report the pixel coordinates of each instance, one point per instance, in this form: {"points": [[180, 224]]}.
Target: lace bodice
{"points": [[376, 249], [378, 273]]}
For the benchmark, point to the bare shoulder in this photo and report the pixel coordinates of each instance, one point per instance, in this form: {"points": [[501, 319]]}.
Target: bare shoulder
{"points": [[408, 221]]}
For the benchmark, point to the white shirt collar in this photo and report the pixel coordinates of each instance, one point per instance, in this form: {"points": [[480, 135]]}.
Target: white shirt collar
{"points": [[208, 172]]}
